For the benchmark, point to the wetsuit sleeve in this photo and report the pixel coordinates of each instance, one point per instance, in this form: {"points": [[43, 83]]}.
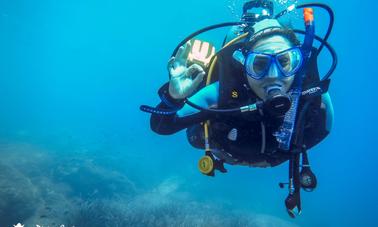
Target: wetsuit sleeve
{"points": [[186, 115]]}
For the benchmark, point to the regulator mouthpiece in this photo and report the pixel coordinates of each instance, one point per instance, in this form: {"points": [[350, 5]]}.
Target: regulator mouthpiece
{"points": [[277, 103]]}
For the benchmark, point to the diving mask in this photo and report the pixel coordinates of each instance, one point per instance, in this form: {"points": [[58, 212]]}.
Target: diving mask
{"points": [[288, 62]]}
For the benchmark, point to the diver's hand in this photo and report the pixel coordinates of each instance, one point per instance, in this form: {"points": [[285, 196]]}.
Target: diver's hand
{"points": [[184, 80]]}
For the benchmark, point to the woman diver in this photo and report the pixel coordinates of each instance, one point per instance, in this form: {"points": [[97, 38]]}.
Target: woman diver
{"points": [[262, 103]]}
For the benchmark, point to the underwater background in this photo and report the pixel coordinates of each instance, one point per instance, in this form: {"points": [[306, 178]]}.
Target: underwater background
{"points": [[76, 150]]}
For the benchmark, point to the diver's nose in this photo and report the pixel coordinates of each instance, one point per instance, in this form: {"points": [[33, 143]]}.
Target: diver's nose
{"points": [[273, 72]]}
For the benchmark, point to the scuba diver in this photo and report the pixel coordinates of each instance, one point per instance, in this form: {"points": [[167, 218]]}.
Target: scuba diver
{"points": [[259, 101]]}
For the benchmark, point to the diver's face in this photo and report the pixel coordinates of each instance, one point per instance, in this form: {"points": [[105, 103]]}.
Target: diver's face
{"points": [[273, 79]]}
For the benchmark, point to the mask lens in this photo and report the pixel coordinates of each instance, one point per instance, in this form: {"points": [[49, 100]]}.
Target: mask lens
{"points": [[257, 65], [289, 61]]}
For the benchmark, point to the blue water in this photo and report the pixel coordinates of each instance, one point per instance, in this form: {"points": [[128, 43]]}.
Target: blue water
{"points": [[76, 150]]}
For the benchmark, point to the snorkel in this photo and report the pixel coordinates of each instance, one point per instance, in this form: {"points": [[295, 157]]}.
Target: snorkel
{"points": [[285, 132]]}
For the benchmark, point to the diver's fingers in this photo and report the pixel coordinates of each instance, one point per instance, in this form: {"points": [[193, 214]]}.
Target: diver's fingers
{"points": [[198, 78], [173, 67], [193, 69], [182, 59], [179, 53], [188, 48], [170, 65], [196, 82]]}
